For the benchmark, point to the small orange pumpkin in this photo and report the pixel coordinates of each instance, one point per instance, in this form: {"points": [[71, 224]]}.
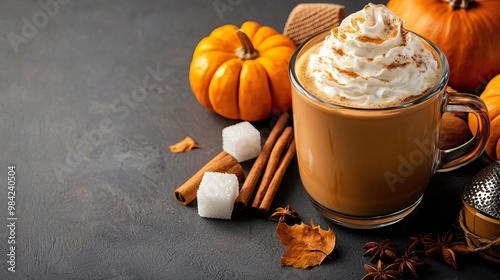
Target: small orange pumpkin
{"points": [[491, 98], [467, 31], [454, 130], [243, 73]]}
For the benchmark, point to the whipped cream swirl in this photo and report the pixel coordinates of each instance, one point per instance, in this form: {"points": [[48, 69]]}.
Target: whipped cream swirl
{"points": [[371, 59]]}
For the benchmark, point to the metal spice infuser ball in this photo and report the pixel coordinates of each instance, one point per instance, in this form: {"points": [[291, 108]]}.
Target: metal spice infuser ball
{"points": [[481, 199]]}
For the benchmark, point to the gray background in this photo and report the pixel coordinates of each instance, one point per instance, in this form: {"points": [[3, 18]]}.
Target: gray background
{"points": [[112, 214]]}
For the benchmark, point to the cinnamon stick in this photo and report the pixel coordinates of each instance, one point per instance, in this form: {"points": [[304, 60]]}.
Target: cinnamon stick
{"points": [[223, 162], [253, 176], [277, 178], [274, 160]]}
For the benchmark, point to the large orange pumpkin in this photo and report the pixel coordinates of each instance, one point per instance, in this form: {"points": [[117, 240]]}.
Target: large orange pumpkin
{"points": [[491, 98], [243, 73], [467, 31]]}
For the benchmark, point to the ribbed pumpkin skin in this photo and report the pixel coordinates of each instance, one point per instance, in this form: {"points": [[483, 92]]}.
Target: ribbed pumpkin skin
{"points": [[242, 89], [491, 98], [470, 38]]}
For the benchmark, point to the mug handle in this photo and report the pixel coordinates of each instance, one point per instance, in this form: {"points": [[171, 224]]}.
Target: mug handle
{"points": [[459, 156]]}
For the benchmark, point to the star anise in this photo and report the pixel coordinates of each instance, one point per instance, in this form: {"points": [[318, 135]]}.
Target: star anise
{"points": [[386, 251], [409, 264], [286, 215], [417, 243], [380, 272], [447, 249]]}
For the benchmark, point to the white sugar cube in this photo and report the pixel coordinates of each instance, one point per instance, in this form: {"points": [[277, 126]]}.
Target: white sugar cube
{"points": [[216, 195], [241, 140]]}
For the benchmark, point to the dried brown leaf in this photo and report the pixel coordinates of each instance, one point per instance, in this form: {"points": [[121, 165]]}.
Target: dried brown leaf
{"points": [[185, 145], [306, 245]]}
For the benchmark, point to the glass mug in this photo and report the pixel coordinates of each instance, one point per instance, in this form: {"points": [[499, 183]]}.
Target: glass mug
{"points": [[368, 168]]}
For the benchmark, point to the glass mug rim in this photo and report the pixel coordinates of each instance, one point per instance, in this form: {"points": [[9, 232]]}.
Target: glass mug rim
{"points": [[437, 88]]}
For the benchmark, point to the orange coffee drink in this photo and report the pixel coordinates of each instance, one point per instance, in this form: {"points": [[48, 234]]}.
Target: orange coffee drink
{"points": [[368, 97]]}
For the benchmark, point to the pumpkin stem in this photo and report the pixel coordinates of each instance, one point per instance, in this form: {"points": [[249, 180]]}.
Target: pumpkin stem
{"points": [[460, 4], [247, 51]]}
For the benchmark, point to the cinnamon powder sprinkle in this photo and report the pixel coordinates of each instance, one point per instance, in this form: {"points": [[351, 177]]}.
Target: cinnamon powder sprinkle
{"points": [[331, 78], [403, 37], [339, 52], [355, 26], [373, 40], [419, 61], [349, 73], [337, 34], [395, 65], [378, 40]]}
